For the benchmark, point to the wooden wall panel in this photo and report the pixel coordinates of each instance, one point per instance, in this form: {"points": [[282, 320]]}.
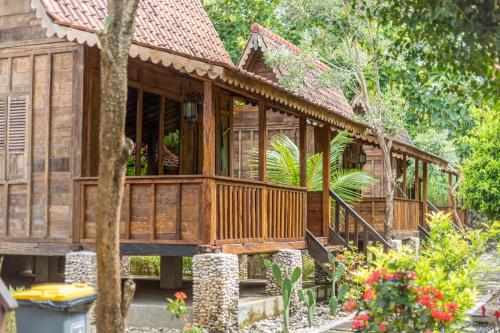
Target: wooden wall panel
{"points": [[17, 210], [315, 212], [167, 210], [3, 210], [190, 212]]}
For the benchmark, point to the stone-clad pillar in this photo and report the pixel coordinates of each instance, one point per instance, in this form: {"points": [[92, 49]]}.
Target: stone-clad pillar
{"points": [[81, 266], [397, 245], [414, 243], [287, 260], [243, 260], [216, 292]]}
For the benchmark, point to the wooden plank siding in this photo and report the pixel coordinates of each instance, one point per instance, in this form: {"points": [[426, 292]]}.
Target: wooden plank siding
{"points": [[36, 153]]}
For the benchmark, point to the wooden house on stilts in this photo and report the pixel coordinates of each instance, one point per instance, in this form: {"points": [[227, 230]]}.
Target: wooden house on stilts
{"points": [[193, 116]]}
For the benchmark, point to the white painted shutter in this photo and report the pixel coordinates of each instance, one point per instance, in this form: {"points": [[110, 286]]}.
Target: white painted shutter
{"points": [[3, 123], [17, 123]]}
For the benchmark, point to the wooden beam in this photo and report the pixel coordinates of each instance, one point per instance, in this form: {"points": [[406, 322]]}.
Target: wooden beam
{"points": [[424, 188], [262, 142], [48, 120], [303, 151], [325, 148], [450, 194], [416, 184], [208, 123], [161, 134], [405, 177], [209, 204], [138, 131]]}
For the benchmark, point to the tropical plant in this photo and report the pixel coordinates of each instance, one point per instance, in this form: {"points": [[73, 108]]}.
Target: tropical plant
{"points": [[178, 308], [308, 298], [353, 261], [283, 167], [286, 282], [337, 273], [446, 262]]}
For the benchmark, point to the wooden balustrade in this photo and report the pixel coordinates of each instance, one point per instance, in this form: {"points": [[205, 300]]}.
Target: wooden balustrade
{"points": [[153, 209], [250, 211], [169, 209], [351, 228]]}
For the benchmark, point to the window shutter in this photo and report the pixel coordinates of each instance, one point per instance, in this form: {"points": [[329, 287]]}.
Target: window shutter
{"points": [[17, 123], [3, 112]]}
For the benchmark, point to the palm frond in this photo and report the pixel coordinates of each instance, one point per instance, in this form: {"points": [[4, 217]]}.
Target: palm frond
{"points": [[348, 184], [337, 148]]}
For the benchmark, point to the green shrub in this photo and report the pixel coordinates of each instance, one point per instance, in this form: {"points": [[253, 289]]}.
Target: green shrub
{"points": [[447, 262], [145, 265], [308, 268]]}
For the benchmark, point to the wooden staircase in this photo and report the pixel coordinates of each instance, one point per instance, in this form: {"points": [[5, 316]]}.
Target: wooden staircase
{"points": [[344, 232]]}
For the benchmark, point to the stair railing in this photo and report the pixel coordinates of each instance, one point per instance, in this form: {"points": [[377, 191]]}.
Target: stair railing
{"points": [[317, 250], [359, 237]]}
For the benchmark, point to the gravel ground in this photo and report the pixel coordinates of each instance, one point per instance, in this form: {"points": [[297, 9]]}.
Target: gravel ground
{"points": [[298, 322]]}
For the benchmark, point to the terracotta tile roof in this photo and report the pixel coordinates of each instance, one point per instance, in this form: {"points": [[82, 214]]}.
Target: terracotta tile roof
{"points": [[176, 26], [330, 98]]}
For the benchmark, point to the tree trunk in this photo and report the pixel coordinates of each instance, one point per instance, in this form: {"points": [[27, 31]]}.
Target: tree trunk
{"points": [[114, 151], [390, 184]]}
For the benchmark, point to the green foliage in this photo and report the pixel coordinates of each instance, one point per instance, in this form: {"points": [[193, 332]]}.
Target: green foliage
{"points": [[338, 272], [171, 141], [283, 167], [353, 261], [145, 265], [232, 20], [481, 171], [131, 164], [308, 267], [308, 298], [447, 262], [286, 283]]}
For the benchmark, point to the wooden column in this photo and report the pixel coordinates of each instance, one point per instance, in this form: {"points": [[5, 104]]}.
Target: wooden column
{"points": [[161, 135], [405, 177], [262, 142], [138, 135], [208, 165], [450, 194], [303, 151], [171, 273], [325, 149], [424, 188], [416, 184]]}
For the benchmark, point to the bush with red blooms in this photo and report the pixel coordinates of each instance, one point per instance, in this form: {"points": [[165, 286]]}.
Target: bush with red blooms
{"points": [[393, 302]]}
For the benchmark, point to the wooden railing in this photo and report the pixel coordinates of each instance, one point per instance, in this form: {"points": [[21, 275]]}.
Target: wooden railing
{"points": [[156, 208], [250, 211], [317, 250], [356, 230]]}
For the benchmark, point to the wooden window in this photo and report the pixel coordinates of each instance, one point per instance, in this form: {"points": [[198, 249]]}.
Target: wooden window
{"points": [[17, 123], [3, 122]]}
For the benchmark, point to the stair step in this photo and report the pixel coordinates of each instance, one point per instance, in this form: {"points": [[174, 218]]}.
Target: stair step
{"points": [[333, 248], [323, 240]]}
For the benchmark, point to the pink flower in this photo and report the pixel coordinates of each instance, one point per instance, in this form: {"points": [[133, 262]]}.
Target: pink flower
{"points": [[180, 295], [375, 276], [382, 327]]}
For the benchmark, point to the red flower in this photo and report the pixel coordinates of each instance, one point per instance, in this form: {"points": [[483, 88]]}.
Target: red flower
{"points": [[497, 314], [426, 300], [369, 295], [428, 331], [375, 276], [360, 320], [350, 305], [382, 327], [441, 315], [452, 307], [483, 311], [411, 275], [437, 294], [180, 295]]}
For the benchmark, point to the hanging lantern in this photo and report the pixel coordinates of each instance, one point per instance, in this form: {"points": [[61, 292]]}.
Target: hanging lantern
{"points": [[192, 103], [362, 157]]}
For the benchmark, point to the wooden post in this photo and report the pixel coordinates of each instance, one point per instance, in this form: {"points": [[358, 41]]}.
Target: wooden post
{"points": [[416, 184], [424, 188], [450, 186], [161, 135], [138, 133], [262, 142], [405, 177], [171, 273], [303, 151], [325, 148], [208, 165]]}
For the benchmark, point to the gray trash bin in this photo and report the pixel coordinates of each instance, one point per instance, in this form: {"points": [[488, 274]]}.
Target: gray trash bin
{"points": [[53, 313]]}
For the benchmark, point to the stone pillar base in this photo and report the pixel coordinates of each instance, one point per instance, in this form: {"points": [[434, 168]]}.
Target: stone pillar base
{"points": [[414, 243], [216, 292], [287, 260], [81, 267], [397, 245], [243, 261]]}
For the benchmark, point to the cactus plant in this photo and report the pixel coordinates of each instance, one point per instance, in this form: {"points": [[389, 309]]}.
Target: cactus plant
{"points": [[308, 298], [286, 283], [337, 274]]}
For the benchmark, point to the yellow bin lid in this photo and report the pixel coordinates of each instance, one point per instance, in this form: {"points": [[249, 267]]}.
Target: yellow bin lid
{"points": [[55, 292]]}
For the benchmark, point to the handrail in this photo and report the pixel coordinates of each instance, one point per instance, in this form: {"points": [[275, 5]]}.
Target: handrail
{"points": [[436, 210], [424, 234], [365, 224], [316, 250]]}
